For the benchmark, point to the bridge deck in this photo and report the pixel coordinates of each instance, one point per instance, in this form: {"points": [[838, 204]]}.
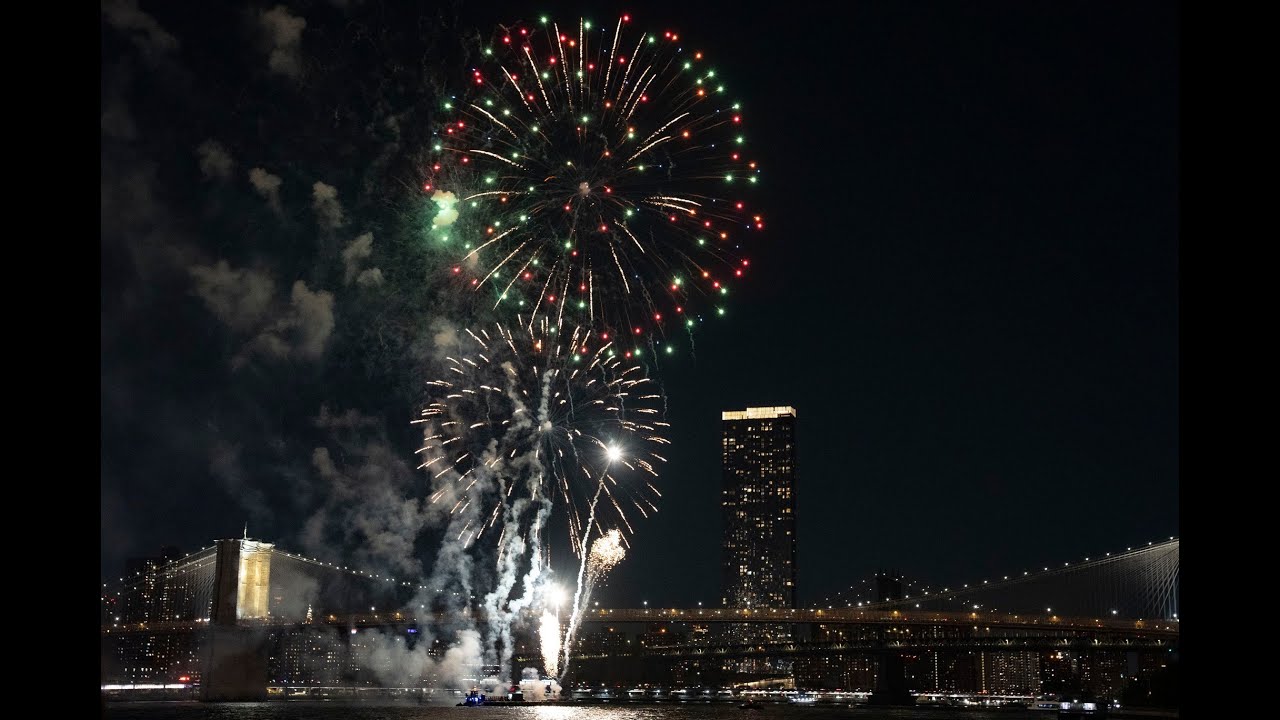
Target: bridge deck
{"points": [[838, 616]]}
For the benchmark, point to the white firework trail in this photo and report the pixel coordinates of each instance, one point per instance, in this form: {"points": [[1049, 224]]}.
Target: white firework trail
{"points": [[531, 417]]}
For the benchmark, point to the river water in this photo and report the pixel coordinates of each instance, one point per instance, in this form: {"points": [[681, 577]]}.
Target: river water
{"points": [[347, 710]]}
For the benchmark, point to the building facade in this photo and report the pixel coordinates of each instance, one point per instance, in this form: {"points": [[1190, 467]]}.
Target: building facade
{"points": [[758, 501], [758, 507]]}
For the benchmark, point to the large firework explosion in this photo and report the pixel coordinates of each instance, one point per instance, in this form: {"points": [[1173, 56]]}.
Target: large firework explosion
{"points": [[591, 184], [596, 175]]}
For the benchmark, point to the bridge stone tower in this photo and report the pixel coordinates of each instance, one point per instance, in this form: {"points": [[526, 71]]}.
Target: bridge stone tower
{"points": [[235, 655]]}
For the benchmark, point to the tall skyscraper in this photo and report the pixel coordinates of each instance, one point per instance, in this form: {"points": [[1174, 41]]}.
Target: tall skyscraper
{"points": [[758, 498]]}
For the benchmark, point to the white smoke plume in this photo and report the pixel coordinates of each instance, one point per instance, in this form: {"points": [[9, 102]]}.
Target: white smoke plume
{"points": [[242, 299], [461, 661], [369, 496], [388, 655], [215, 162], [536, 689], [284, 36], [238, 297], [146, 33], [268, 186], [312, 317], [352, 255], [370, 277], [324, 200]]}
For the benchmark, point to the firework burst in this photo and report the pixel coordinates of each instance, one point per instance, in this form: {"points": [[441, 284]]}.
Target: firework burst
{"points": [[603, 177], [539, 413], [606, 552]]}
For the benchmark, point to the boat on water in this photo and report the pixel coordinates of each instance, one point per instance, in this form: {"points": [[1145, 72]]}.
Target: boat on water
{"points": [[1082, 710], [475, 698], [750, 705], [1046, 703]]}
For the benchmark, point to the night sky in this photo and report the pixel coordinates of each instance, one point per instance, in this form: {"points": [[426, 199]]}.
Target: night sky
{"points": [[968, 287]]}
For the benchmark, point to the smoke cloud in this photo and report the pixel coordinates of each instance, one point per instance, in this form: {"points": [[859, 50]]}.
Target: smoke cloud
{"points": [[242, 300], [268, 186], [146, 33], [237, 297], [369, 278], [284, 34], [371, 503], [398, 659], [314, 319], [324, 200], [353, 254], [214, 160]]}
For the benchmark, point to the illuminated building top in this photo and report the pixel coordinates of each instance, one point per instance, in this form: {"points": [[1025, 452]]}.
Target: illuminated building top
{"points": [[760, 413]]}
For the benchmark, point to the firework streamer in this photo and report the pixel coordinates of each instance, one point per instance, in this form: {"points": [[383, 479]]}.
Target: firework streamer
{"points": [[575, 610], [523, 418], [606, 552]]}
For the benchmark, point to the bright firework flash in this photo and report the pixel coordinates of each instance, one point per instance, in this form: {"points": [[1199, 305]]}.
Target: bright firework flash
{"points": [[549, 635], [549, 628], [606, 552], [604, 176], [525, 417]]}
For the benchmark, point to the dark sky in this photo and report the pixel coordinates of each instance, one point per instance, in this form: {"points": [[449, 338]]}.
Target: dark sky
{"points": [[968, 287]]}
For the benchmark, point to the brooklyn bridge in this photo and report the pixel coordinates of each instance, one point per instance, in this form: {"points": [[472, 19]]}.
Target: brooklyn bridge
{"points": [[242, 616]]}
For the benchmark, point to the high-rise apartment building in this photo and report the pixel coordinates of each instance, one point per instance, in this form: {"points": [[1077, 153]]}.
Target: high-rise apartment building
{"points": [[758, 504], [758, 501]]}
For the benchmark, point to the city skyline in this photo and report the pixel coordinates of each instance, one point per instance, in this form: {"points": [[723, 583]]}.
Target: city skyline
{"points": [[968, 283], [313, 625]]}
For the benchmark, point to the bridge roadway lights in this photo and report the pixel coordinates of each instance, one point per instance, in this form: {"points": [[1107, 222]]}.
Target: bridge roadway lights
{"points": [[234, 664]]}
